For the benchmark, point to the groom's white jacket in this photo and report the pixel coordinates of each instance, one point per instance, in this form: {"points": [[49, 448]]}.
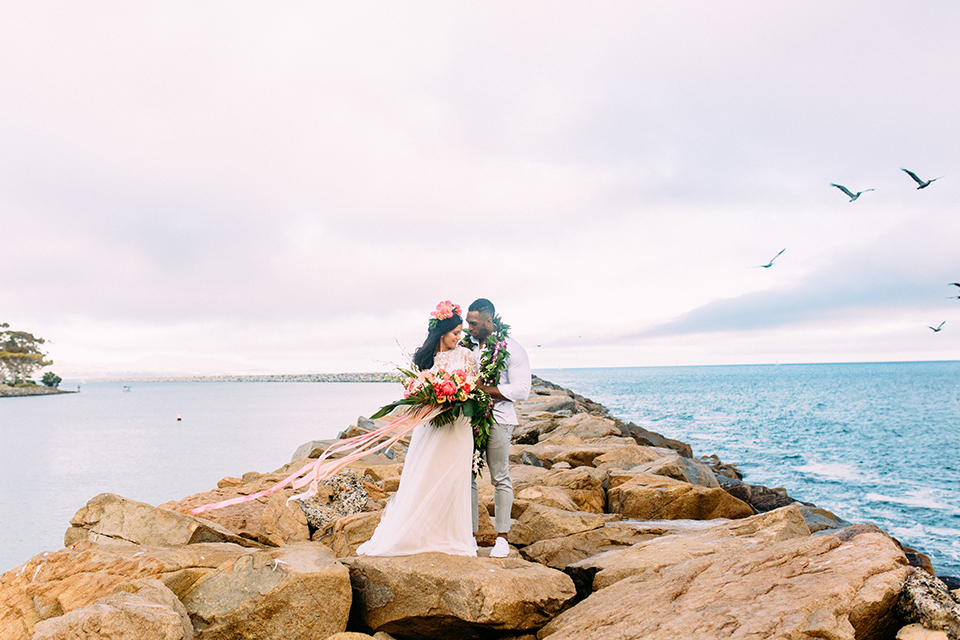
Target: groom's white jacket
{"points": [[514, 381]]}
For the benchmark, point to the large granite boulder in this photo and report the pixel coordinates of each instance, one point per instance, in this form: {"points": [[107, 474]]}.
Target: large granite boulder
{"points": [[583, 426], [350, 532], [548, 496], [675, 466], [652, 497], [53, 584], [583, 485], [629, 456], [109, 517], [282, 523], [558, 553], [549, 522], [136, 610], [672, 546], [573, 450], [244, 519], [297, 591], [546, 403], [436, 595], [804, 587]]}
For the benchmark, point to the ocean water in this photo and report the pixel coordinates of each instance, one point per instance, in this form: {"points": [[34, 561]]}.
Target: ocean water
{"points": [[57, 452], [872, 442]]}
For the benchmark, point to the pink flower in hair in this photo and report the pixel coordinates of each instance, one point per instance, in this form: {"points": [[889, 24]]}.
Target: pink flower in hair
{"points": [[445, 309]]}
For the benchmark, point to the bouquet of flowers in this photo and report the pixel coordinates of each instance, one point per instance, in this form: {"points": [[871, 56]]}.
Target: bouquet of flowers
{"points": [[456, 391]]}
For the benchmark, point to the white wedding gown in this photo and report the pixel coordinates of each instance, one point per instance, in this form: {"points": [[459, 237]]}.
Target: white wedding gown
{"points": [[431, 509]]}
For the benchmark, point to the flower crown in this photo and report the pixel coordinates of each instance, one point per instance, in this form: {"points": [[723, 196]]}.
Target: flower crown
{"points": [[444, 310]]}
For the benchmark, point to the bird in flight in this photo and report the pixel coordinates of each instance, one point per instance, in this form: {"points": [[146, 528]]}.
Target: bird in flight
{"points": [[770, 264], [923, 183], [937, 329], [853, 196]]}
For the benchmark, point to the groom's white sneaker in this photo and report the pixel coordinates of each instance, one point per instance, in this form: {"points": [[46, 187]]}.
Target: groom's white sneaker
{"points": [[500, 549]]}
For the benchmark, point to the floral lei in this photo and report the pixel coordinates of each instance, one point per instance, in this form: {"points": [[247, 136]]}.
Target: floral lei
{"points": [[493, 359], [493, 356]]}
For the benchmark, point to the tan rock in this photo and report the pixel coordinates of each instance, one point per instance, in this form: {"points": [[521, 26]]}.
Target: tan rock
{"points": [[114, 518], [125, 618], [486, 533], [522, 475], [676, 546], [381, 472], [351, 635], [577, 454], [584, 426], [583, 485], [629, 456], [139, 609], [548, 496], [242, 519], [550, 403], [558, 553], [806, 587], [350, 532], [273, 595], [673, 465], [436, 595], [917, 631], [652, 497], [52, 584], [547, 522], [282, 523]]}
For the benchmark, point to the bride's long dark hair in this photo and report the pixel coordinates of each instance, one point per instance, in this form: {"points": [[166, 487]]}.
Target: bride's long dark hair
{"points": [[423, 357]]}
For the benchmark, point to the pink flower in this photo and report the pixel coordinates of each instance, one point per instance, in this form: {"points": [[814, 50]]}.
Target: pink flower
{"points": [[445, 309], [448, 388]]}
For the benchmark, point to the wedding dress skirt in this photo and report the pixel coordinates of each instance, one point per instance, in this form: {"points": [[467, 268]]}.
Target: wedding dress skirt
{"points": [[431, 509]]}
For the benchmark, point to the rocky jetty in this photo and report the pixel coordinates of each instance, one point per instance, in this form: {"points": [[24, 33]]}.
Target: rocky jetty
{"points": [[21, 390], [617, 532]]}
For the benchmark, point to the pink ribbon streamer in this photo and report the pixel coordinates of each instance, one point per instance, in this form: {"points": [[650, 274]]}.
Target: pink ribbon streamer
{"points": [[317, 470]]}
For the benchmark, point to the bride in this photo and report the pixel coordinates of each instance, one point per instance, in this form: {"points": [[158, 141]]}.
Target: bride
{"points": [[431, 510]]}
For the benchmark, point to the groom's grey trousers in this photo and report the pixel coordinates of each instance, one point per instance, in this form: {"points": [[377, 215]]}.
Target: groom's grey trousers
{"points": [[498, 457]]}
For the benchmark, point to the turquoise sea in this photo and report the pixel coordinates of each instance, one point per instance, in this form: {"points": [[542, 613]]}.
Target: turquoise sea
{"points": [[871, 442], [875, 442]]}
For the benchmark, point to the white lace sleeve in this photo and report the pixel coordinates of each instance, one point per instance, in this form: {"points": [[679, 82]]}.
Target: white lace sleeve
{"points": [[470, 366], [459, 358]]}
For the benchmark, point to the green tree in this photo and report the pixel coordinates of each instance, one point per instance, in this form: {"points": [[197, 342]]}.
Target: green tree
{"points": [[50, 379], [20, 355]]}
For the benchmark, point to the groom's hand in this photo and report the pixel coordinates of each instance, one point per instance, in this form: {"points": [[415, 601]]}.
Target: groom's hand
{"points": [[493, 392]]}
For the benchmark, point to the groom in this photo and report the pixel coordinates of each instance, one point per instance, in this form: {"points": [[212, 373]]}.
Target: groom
{"points": [[512, 385]]}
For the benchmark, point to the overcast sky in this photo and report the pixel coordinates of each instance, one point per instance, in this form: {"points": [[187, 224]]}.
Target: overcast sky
{"points": [[292, 186]]}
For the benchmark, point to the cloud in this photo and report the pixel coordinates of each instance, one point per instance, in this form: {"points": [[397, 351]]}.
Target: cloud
{"points": [[331, 172]]}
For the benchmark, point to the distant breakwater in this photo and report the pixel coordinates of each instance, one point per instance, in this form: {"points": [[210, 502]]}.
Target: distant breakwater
{"points": [[17, 392], [305, 377]]}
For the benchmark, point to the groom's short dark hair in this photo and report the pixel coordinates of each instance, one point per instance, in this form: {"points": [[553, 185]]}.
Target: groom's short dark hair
{"points": [[484, 306]]}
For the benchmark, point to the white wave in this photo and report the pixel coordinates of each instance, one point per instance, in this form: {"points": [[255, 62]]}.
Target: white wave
{"points": [[833, 471], [924, 499]]}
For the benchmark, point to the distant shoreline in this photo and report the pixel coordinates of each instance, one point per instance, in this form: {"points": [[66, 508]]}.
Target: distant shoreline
{"points": [[22, 392], [306, 377]]}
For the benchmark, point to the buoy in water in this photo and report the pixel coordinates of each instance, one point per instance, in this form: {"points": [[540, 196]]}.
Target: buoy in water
{"points": [[179, 417]]}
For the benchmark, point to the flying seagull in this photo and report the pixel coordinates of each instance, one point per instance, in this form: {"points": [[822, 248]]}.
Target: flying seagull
{"points": [[853, 196], [770, 264], [923, 183], [940, 327]]}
